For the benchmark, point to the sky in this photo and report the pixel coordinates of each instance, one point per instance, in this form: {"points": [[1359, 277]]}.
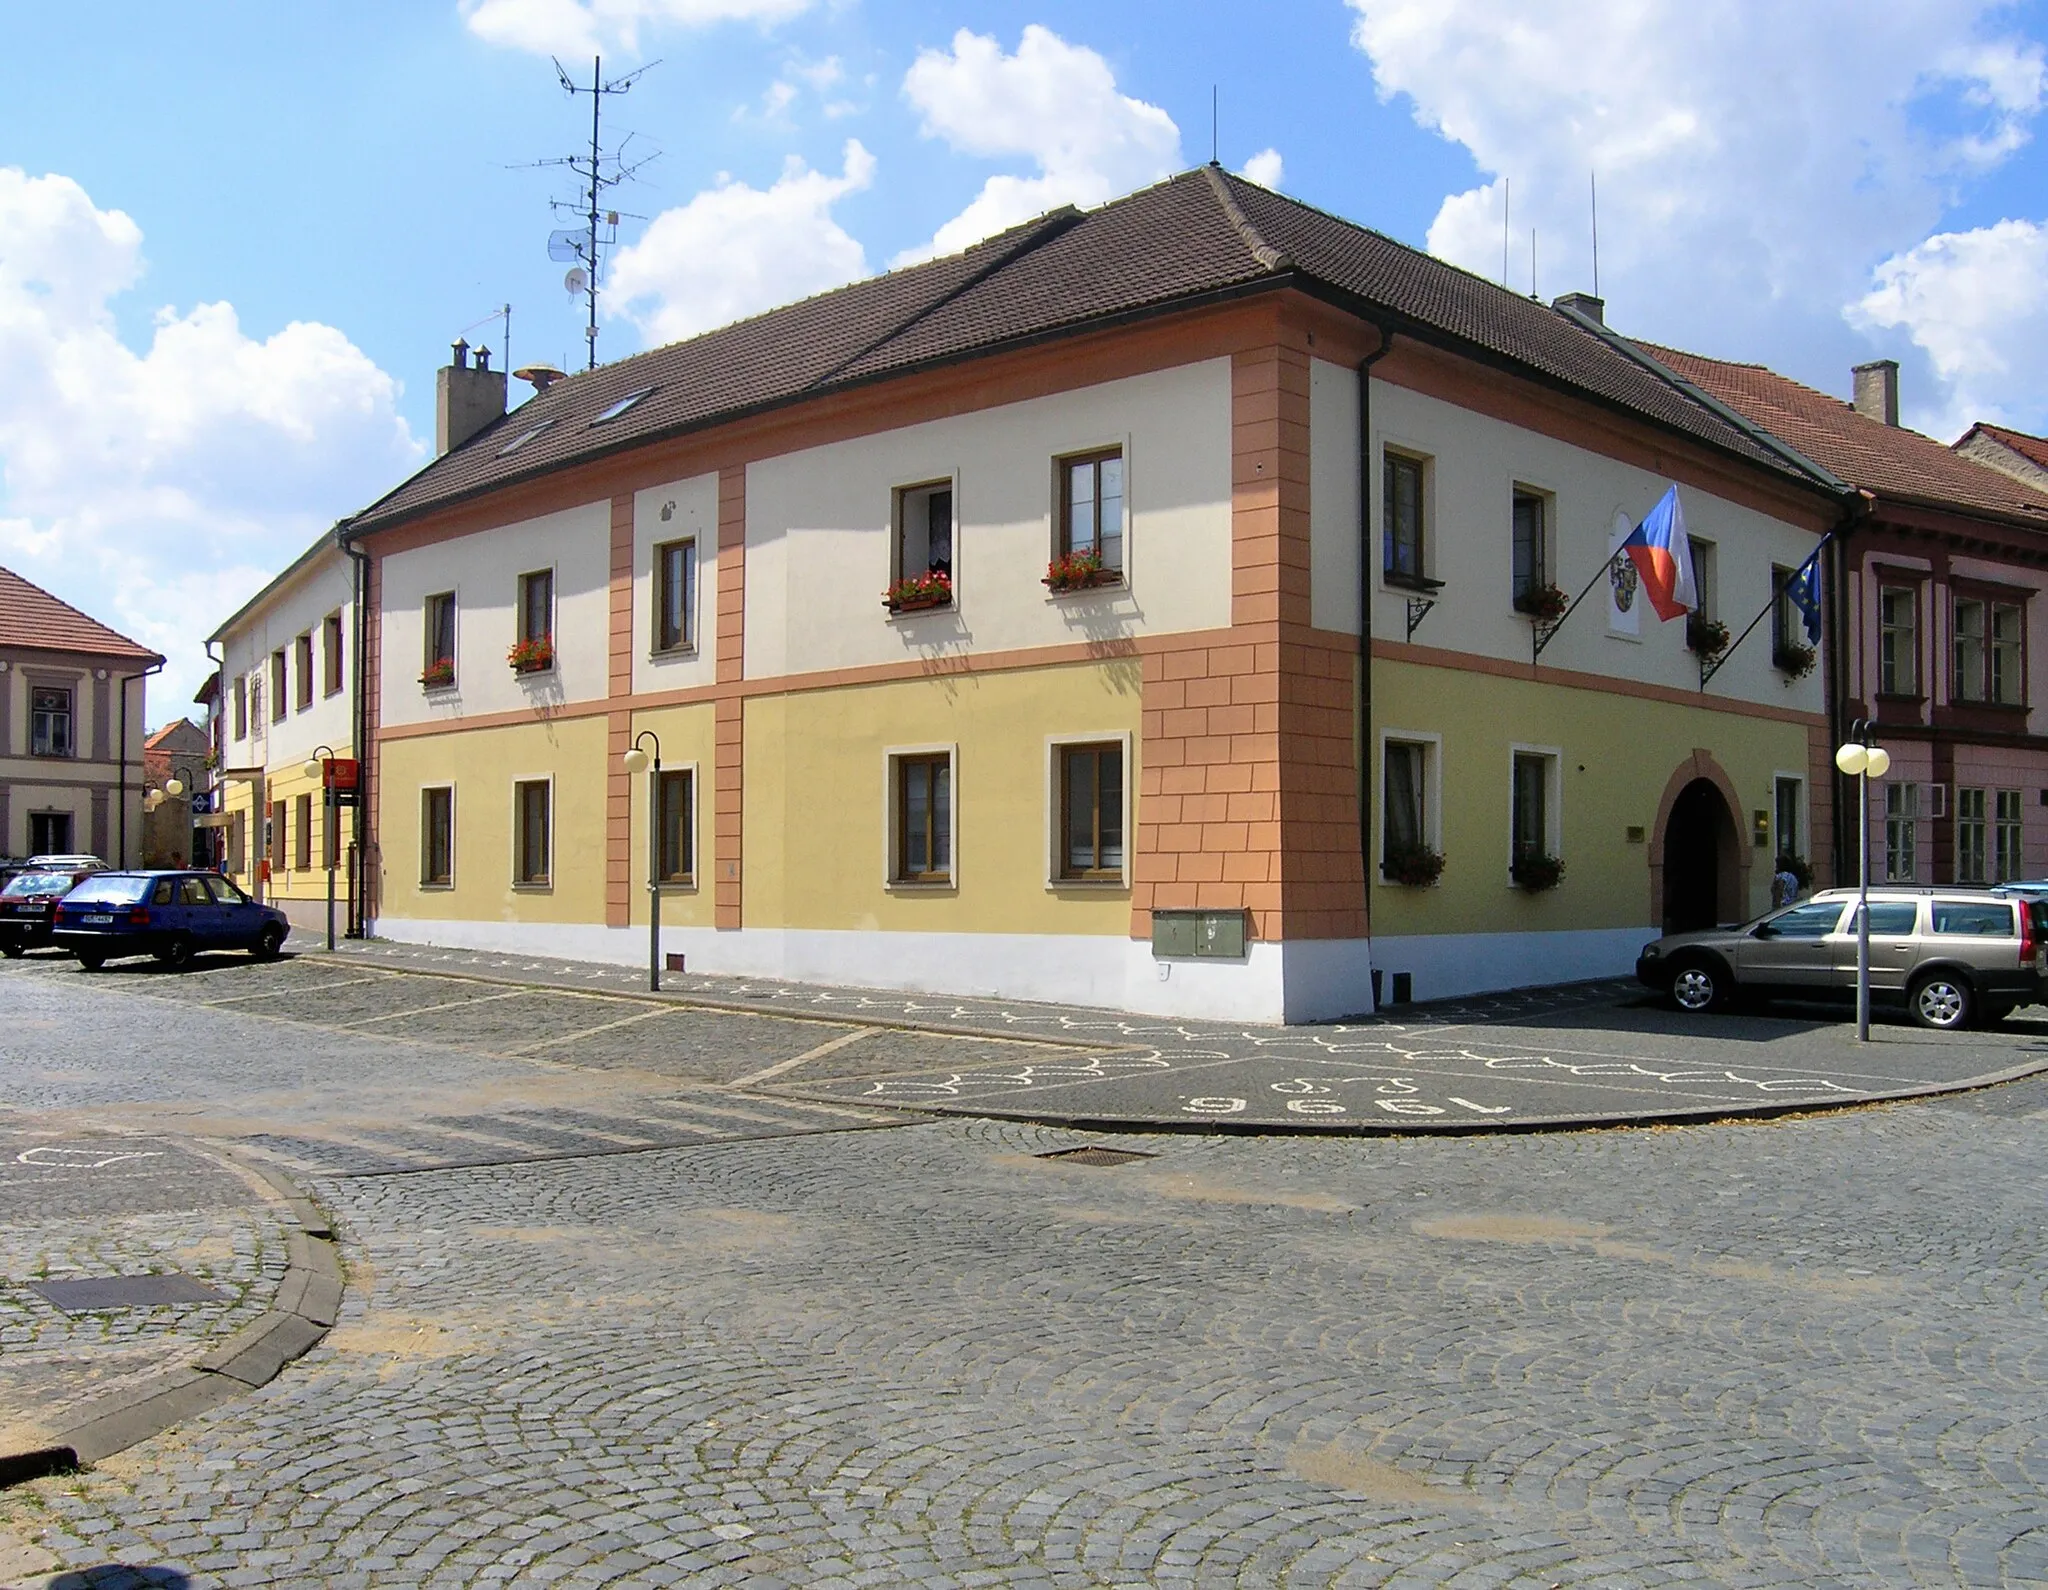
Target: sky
{"points": [[237, 239]]}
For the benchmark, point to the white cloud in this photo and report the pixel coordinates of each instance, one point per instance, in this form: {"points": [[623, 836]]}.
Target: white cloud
{"points": [[734, 250], [1053, 103], [1977, 303], [1755, 159], [1264, 168], [579, 28], [157, 490]]}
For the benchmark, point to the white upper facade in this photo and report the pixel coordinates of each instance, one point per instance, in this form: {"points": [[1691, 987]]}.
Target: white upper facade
{"points": [[303, 630]]}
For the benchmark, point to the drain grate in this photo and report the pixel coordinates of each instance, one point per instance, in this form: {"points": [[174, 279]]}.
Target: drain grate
{"points": [[126, 1291], [1095, 1154]]}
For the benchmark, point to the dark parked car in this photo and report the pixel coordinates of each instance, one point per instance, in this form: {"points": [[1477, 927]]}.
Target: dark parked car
{"points": [[171, 915], [29, 904]]}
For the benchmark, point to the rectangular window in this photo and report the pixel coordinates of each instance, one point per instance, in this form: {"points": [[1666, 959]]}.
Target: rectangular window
{"points": [[2007, 858], [1531, 545], [1898, 641], [50, 722], [1092, 507], [1969, 649], [303, 673], [1788, 792], [256, 700], [1404, 817], [1972, 834], [537, 606], [675, 859], [675, 596], [530, 837], [924, 528], [280, 834], [924, 819], [1705, 585], [1092, 811], [331, 645], [440, 632], [241, 709], [278, 699], [1530, 818], [302, 854], [2007, 654], [437, 837], [1402, 513], [1901, 833]]}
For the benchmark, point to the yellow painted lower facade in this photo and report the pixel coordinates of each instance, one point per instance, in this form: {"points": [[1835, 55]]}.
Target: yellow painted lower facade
{"points": [[246, 801]]}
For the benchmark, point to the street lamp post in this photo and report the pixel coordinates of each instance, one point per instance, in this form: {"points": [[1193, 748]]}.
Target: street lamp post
{"points": [[319, 765], [1861, 760], [637, 762]]}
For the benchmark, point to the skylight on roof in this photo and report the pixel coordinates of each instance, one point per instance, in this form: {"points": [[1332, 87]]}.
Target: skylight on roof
{"points": [[523, 438], [622, 405]]}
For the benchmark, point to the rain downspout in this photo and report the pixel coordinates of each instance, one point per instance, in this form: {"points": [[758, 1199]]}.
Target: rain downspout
{"points": [[1365, 550]]}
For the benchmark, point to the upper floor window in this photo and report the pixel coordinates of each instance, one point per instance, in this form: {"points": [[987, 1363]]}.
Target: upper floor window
{"points": [[924, 531], [1898, 640], [675, 595], [303, 671], [440, 641], [1531, 539], [1705, 585], [1403, 514], [1990, 655], [331, 644], [50, 722], [241, 709], [534, 649], [1091, 507], [278, 705]]}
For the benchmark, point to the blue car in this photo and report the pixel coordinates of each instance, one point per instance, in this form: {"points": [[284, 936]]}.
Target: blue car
{"points": [[171, 915]]}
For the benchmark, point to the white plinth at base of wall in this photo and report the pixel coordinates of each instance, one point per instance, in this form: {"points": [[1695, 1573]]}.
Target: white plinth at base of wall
{"points": [[1451, 965]]}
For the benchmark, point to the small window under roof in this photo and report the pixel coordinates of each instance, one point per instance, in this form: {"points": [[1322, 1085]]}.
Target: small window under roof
{"points": [[622, 405], [523, 438]]}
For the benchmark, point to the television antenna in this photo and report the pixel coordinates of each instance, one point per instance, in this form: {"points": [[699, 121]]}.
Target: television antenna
{"points": [[597, 171]]}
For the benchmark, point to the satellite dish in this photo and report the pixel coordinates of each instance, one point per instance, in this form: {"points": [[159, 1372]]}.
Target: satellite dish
{"points": [[565, 246], [576, 281]]}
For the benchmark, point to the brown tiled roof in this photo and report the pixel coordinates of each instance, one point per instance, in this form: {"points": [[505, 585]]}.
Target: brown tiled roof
{"points": [[1887, 460], [30, 616], [1199, 235], [2032, 448]]}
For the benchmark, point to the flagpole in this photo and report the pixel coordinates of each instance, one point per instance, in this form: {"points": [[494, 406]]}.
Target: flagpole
{"points": [[1708, 670], [1541, 633]]}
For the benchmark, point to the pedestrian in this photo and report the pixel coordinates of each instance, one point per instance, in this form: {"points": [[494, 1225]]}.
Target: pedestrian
{"points": [[1784, 883]]}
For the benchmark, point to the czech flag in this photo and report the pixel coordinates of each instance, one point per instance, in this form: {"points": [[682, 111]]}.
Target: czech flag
{"points": [[1662, 554]]}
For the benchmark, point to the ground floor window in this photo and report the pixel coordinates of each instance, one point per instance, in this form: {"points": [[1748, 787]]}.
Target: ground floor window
{"points": [[675, 858], [280, 833], [1788, 800], [1092, 811], [49, 834], [1901, 833], [437, 837], [1404, 805], [1530, 808], [531, 847], [2008, 862], [924, 818], [302, 857], [1972, 832]]}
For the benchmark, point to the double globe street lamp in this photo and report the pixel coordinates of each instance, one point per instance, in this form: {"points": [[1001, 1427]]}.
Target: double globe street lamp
{"points": [[637, 762], [1862, 761]]}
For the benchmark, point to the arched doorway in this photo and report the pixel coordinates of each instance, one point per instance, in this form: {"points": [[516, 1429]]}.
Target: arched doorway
{"points": [[1702, 882]]}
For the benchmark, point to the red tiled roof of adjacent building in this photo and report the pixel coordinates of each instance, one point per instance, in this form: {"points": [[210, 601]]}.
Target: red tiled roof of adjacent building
{"points": [[1197, 237], [1887, 460], [32, 618], [2032, 448]]}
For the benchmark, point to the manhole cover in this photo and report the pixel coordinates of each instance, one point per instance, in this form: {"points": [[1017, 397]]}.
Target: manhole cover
{"points": [[126, 1291], [1094, 1154]]}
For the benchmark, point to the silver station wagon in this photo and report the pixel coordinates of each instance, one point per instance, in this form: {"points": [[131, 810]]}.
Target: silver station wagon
{"points": [[1953, 957]]}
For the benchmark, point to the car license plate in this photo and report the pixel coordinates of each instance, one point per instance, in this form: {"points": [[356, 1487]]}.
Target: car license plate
{"points": [[28, 910], [93, 919]]}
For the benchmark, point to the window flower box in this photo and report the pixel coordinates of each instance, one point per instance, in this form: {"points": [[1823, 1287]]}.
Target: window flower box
{"points": [[1544, 603], [915, 593], [438, 675], [1537, 872], [1079, 571], [532, 656], [1705, 637], [1416, 867], [1794, 659]]}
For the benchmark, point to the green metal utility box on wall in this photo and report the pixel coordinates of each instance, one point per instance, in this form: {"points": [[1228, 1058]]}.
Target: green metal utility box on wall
{"points": [[1207, 935]]}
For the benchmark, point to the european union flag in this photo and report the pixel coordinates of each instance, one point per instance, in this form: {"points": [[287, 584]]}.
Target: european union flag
{"points": [[1802, 590]]}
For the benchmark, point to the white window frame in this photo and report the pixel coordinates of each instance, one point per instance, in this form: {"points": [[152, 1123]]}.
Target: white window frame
{"points": [[693, 626], [689, 884], [437, 888], [1553, 802], [1529, 486], [897, 494], [1432, 796], [891, 755], [1055, 841], [1778, 845], [519, 779]]}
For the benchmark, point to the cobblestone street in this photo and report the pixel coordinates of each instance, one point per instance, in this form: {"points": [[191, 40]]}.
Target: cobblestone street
{"points": [[864, 1349]]}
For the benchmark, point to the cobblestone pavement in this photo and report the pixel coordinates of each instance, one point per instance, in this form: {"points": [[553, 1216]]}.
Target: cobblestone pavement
{"points": [[1809, 1351]]}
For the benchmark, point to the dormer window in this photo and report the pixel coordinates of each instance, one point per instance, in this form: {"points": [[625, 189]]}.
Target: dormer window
{"points": [[523, 438], [621, 405]]}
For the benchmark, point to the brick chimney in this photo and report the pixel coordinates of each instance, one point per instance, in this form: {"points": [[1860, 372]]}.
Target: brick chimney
{"points": [[1877, 391], [466, 398], [1584, 303]]}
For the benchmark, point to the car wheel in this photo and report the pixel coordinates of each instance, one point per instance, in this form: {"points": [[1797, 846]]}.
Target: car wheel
{"points": [[91, 960], [1942, 1001], [177, 952], [12, 950], [1699, 986], [268, 944]]}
